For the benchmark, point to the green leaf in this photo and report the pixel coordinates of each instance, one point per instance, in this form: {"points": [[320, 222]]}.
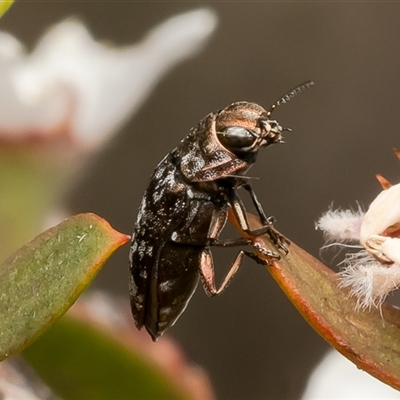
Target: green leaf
{"points": [[370, 339], [43, 279], [81, 363], [4, 6], [31, 184]]}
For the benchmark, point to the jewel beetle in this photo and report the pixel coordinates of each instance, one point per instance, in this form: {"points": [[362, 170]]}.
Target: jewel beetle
{"points": [[185, 206]]}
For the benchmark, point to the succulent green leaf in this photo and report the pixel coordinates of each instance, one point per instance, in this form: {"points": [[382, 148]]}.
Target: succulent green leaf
{"points": [[370, 339], [40, 281], [79, 362]]}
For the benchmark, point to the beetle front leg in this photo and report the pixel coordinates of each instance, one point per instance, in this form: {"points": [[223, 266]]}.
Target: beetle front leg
{"points": [[240, 214], [278, 239], [264, 219]]}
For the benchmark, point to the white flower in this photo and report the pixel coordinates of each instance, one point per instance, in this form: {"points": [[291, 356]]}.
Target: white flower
{"points": [[75, 87], [60, 103], [335, 377], [374, 271]]}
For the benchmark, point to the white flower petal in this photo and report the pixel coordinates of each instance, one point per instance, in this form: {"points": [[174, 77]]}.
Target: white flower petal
{"points": [[337, 378], [390, 248], [383, 213], [10, 48], [72, 80], [373, 273]]}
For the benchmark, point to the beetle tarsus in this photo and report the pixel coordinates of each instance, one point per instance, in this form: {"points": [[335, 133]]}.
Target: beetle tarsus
{"points": [[264, 251], [229, 242], [258, 259], [279, 241], [271, 220]]}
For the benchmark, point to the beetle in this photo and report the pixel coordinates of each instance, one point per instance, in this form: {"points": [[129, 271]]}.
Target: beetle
{"points": [[185, 206]]}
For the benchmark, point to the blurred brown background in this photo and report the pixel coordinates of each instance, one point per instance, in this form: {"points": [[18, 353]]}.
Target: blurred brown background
{"points": [[251, 340]]}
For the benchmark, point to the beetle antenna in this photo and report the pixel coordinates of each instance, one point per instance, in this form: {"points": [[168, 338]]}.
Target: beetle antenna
{"points": [[290, 94]]}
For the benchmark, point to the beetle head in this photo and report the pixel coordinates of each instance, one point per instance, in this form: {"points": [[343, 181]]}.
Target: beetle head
{"points": [[244, 127]]}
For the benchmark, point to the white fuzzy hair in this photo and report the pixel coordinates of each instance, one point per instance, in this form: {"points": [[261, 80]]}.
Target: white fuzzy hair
{"points": [[341, 225], [369, 280]]}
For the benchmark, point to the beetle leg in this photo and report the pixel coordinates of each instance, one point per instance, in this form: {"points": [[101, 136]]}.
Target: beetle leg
{"points": [[207, 271], [264, 219], [230, 242], [260, 260], [244, 242], [280, 240], [240, 214], [208, 276], [216, 226]]}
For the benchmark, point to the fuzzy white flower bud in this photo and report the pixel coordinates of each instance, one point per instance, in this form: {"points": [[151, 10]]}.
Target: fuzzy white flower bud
{"points": [[373, 272]]}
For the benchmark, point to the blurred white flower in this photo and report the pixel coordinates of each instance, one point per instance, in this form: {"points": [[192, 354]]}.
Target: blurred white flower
{"points": [[19, 382], [74, 87], [60, 103], [336, 377], [374, 271]]}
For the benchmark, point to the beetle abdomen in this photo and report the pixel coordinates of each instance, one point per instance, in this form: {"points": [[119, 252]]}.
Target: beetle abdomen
{"points": [[172, 286], [159, 214]]}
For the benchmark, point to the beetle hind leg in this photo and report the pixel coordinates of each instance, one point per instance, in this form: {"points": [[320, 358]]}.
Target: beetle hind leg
{"points": [[208, 276], [207, 270]]}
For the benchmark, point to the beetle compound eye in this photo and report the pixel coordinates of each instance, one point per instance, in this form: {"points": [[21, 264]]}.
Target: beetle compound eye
{"points": [[236, 138]]}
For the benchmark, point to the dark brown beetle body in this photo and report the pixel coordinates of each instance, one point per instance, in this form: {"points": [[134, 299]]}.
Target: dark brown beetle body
{"points": [[184, 210]]}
